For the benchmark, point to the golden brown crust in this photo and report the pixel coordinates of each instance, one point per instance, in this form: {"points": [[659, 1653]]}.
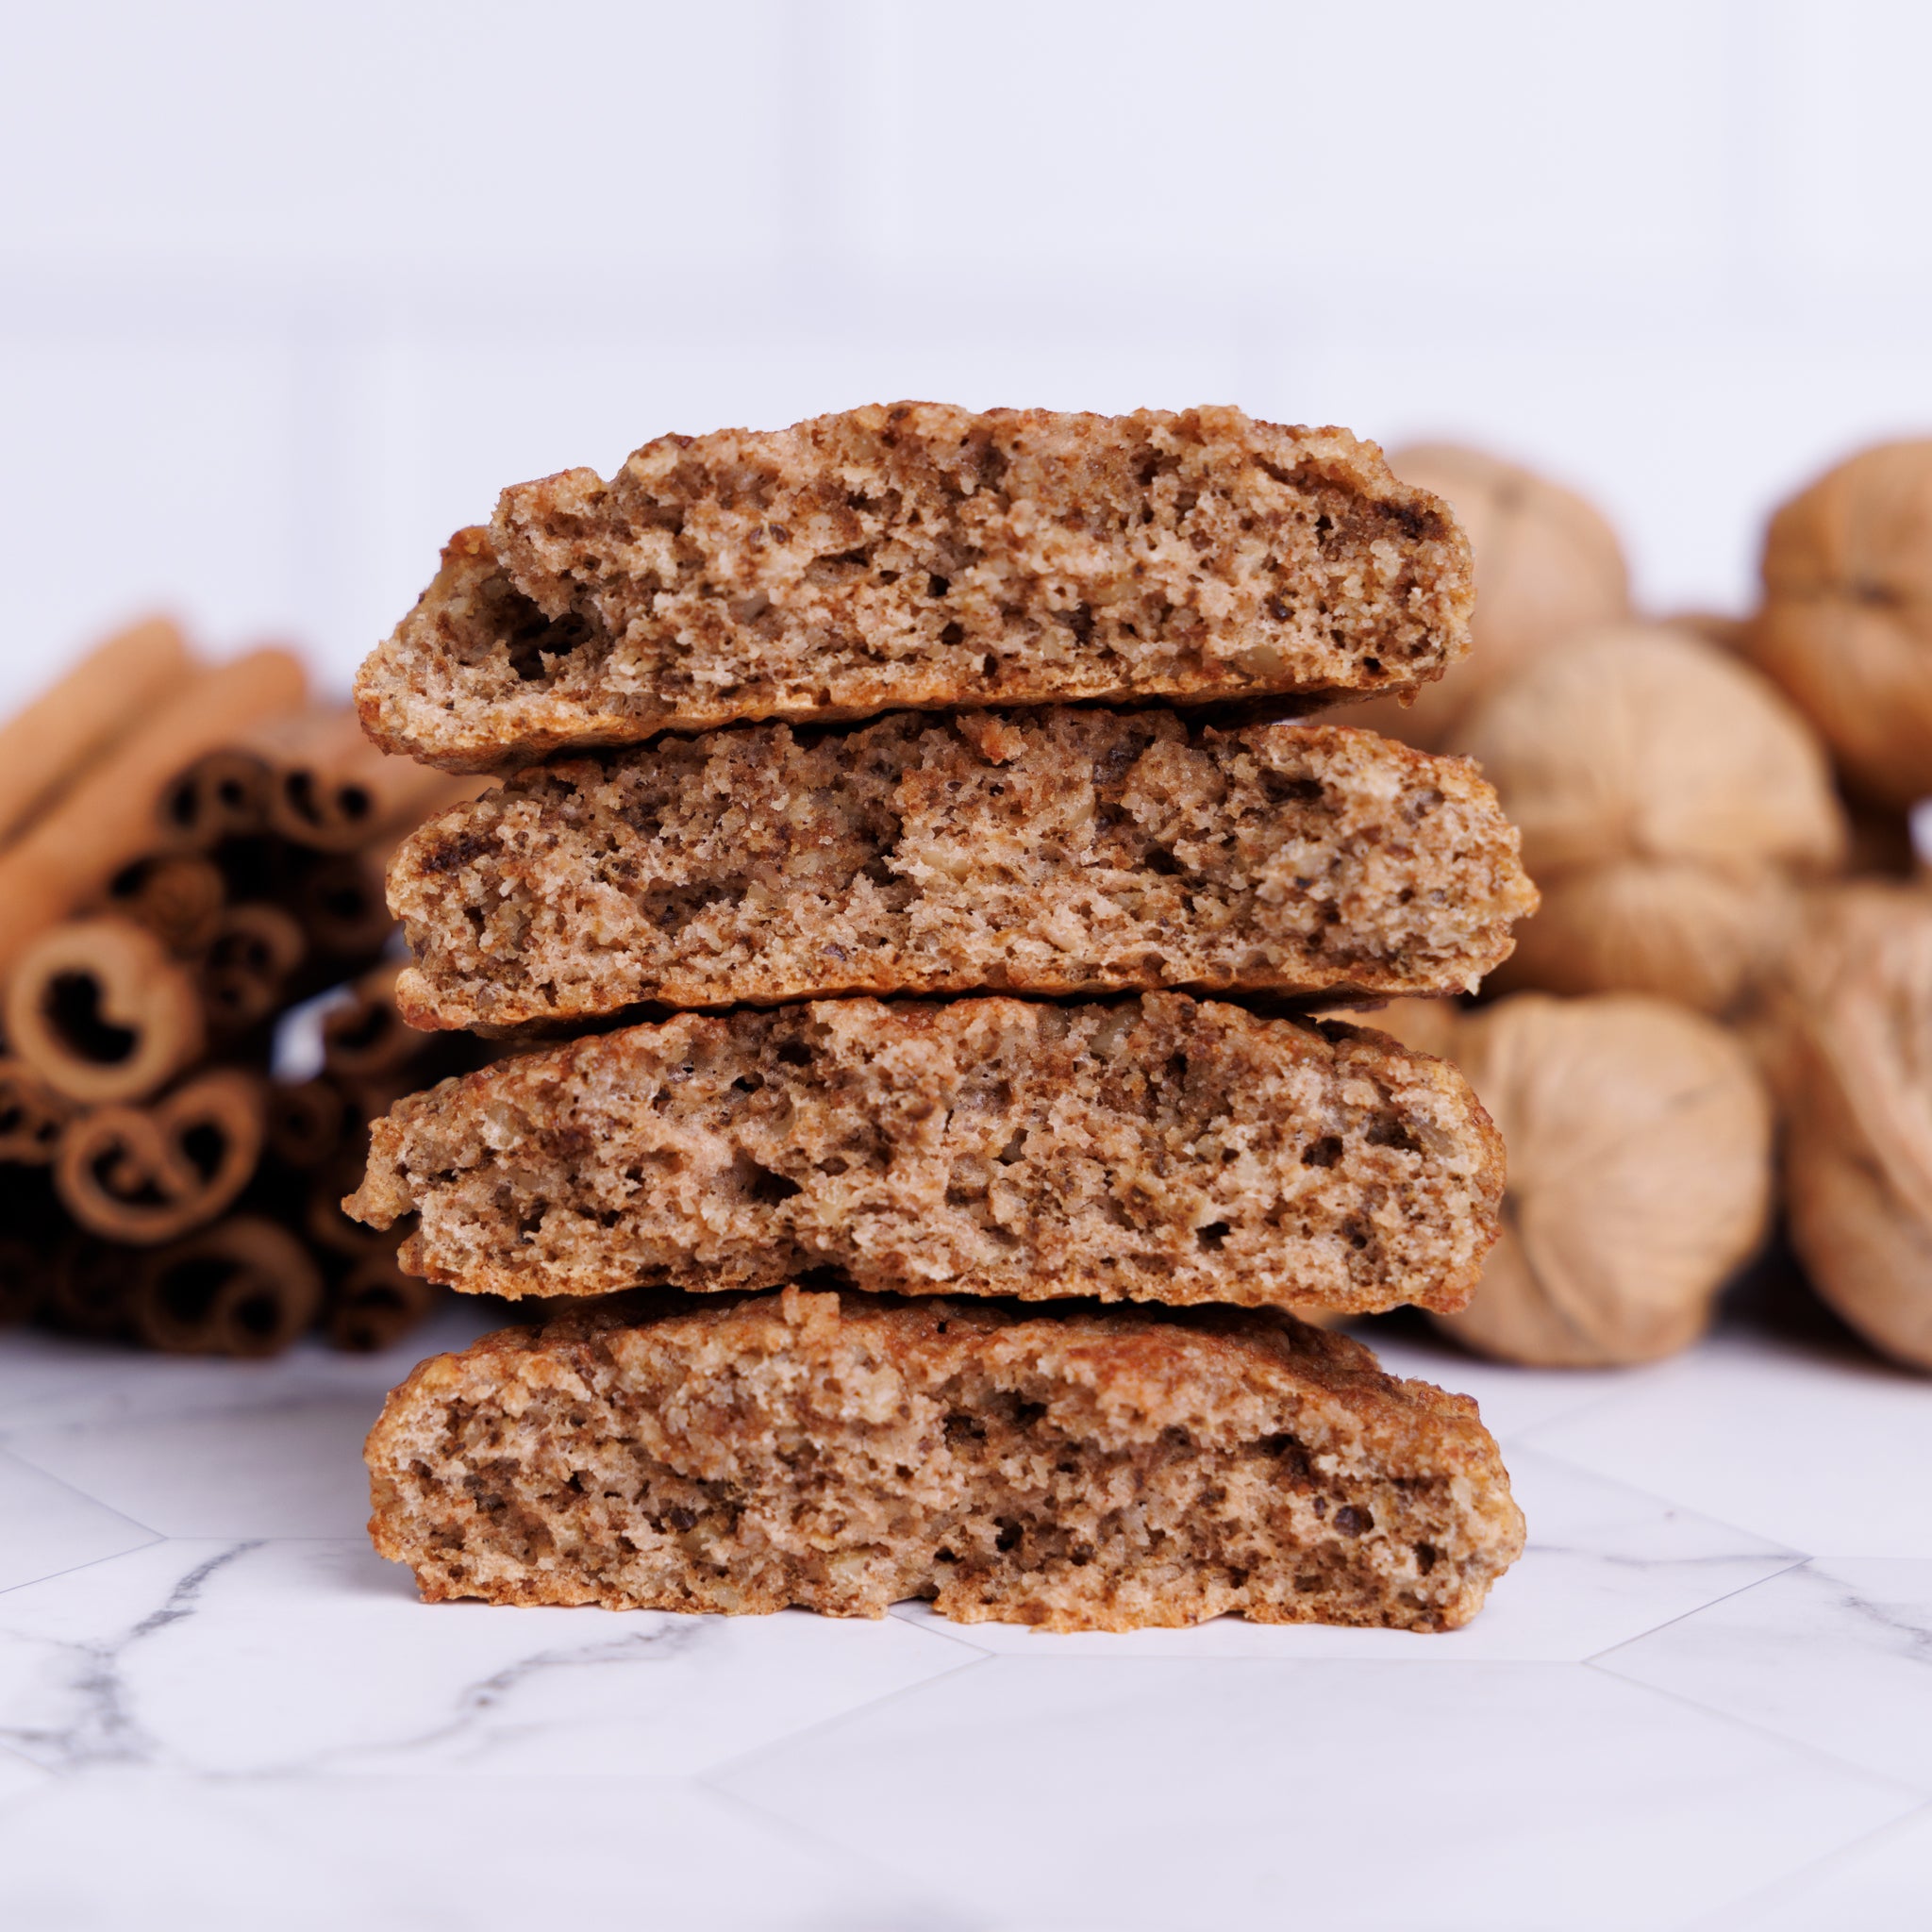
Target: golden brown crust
{"points": [[919, 556], [1150, 1149], [1057, 852], [1076, 1470]]}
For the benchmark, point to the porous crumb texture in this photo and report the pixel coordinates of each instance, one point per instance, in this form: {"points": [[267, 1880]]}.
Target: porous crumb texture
{"points": [[1058, 851], [915, 555], [1148, 1149], [1087, 1471]]}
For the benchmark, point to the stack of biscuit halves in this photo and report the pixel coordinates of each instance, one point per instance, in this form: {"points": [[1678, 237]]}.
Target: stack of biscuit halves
{"points": [[939, 1184]]}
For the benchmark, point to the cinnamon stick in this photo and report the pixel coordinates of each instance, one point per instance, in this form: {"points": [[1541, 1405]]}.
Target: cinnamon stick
{"points": [[107, 818], [176, 896], [244, 1287], [223, 794], [86, 1286], [98, 1008], [148, 1175], [308, 1120], [325, 1223], [339, 901], [72, 723], [245, 976], [366, 1037], [31, 1115], [375, 1304], [332, 790]]}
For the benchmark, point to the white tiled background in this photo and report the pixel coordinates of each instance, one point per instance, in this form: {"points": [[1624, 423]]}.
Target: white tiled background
{"points": [[286, 292]]}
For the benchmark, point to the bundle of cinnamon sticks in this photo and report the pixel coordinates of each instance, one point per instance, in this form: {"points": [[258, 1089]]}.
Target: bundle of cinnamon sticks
{"points": [[190, 854]]}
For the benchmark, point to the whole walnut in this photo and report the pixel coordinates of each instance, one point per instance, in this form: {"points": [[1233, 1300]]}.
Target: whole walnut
{"points": [[1640, 1150], [1858, 1158], [1670, 801], [1547, 565], [1846, 623]]}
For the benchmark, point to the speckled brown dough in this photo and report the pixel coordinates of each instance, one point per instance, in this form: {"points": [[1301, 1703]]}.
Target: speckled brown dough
{"points": [[1079, 1471], [919, 556], [1144, 1149], [1059, 850]]}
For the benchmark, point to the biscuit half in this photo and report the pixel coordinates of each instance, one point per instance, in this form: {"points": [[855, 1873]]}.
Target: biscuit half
{"points": [[916, 554], [1152, 1148], [1055, 850], [1082, 1471]]}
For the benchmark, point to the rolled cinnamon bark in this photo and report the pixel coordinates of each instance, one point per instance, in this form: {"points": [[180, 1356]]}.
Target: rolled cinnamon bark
{"points": [[31, 1116], [149, 1174], [339, 900], [245, 976], [88, 1286], [98, 1008], [325, 1223], [331, 789], [366, 1037], [310, 1120], [324, 1122], [107, 818], [223, 794], [244, 1287], [176, 896], [72, 724], [375, 1304]]}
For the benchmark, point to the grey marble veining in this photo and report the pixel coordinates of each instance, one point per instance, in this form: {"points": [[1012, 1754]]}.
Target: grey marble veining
{"points": [[1835, 1654], [1700, 1699], [91, 1722], [297, 1659]]}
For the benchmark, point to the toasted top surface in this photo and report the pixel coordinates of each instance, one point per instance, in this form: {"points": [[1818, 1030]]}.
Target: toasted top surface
{"points": [[917, 554], [1053, 850]]}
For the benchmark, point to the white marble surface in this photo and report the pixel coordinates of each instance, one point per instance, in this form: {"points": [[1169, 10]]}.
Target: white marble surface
{"points": [[1703, 1698]]}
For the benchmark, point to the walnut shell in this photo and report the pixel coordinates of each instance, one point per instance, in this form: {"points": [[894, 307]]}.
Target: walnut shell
{"points": [[1669, 799], [1639, 1140], [1547, 565], [1846, 623], [1857, 1159], [1695, 932]]}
